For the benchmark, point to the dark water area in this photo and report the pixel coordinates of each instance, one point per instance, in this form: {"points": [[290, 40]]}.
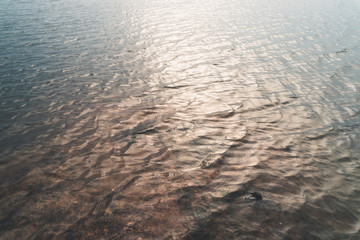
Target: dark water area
{"points": [[179, 119]]}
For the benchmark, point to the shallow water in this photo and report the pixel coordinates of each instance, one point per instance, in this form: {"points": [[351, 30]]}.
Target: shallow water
{"points": [[156, 119]]}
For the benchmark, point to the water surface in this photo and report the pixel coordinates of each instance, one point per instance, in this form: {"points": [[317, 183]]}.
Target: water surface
{"points": [[156, 119]]}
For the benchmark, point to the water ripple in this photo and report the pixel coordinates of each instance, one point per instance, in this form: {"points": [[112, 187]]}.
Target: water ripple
{"points": [[158, 120]]}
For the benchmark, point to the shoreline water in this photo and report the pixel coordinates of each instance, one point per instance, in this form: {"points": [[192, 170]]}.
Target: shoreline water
{"points": [[179, 119]]}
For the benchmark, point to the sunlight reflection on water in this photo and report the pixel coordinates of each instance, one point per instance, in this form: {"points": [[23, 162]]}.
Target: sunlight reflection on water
{"points": [[156, 120]]}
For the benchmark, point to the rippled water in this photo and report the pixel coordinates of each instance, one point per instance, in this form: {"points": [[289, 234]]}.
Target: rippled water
{"points": [[157, 119]]}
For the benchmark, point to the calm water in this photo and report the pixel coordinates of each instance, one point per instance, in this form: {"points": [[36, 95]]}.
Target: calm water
{"points": [[157, 119]]}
